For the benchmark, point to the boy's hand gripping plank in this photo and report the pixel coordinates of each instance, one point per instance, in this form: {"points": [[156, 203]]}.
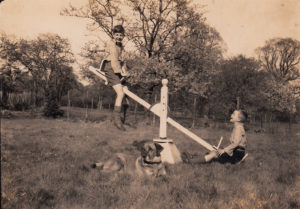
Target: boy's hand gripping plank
{"points": [[219, 144], [156, 110], [99, 73]]}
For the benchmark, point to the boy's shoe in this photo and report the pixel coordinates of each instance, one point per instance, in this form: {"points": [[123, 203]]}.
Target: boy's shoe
{"points": [[131, 125], [128, 123], [118, 124], [125, 118], [116, 117], [211, 156]]}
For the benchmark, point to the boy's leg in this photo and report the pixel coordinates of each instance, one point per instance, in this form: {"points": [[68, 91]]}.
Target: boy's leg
{"points": [[224, 158], [238, 155], [116, 117], [209, 157], [117, 113], [125, 116], [242, 160], [212, 155], [120, 94], [114, 80], [125, 107]]}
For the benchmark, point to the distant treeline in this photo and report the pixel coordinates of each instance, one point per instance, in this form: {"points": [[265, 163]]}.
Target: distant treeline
{"points": [[185, 50]]}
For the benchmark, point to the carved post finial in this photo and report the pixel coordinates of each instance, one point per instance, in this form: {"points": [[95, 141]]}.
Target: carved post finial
{"points": [[164, 82]]}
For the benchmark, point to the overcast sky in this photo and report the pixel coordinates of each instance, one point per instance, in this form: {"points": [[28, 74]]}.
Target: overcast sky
{"points": [[243, 24]]}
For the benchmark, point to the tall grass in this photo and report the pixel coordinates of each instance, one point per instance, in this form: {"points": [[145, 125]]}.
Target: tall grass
{"points": [[46, 164]]}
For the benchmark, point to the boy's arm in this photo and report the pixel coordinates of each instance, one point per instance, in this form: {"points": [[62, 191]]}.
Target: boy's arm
{"points": [[235, 141], [229, 149], [124, 72]]}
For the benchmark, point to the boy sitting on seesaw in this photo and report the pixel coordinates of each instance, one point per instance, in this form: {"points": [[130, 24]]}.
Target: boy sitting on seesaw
{"points": [[235, 151]]}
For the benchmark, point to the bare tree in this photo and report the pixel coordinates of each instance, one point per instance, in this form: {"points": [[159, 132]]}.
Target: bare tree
{"points": [[281, 57], [154, 23], [102, 13], [150, 24]]}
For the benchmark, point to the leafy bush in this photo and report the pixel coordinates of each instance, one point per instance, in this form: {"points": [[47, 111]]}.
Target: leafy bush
{"points": [[19, 101], [52, 108]]}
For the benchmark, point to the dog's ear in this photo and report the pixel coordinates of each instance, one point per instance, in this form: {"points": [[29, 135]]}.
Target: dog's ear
{"points": [[139, 144], [159, 149], [149, 150]]}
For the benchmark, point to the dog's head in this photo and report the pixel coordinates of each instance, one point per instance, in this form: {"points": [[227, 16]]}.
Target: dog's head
{"points": [[150, 151], [150, 162]]}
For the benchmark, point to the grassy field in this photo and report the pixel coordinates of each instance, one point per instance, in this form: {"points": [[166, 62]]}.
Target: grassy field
{"points": [[46, 164]]}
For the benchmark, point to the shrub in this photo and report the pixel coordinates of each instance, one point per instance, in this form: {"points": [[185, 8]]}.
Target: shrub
{"points": [[51, 108]]}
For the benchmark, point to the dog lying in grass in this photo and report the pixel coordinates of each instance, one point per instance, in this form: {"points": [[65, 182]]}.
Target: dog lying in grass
{"points": [[148, 163]]}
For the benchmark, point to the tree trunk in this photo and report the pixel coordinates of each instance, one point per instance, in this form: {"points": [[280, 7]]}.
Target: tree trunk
{"points": [[68, 109], [35, 94], [194, 112], [271, 125], [87, 106], [135, 111], [4, 98], [23, 101], [261, 121], [100, 103], [153, 119], [290, 121]]}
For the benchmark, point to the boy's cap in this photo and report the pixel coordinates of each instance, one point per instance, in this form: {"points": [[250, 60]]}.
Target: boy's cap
{"points": [[118, 29], [242, 115]]}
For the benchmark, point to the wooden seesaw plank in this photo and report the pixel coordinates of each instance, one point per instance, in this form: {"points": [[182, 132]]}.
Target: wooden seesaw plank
{"points": [[172, 122], [190, 134], [156, 109]]}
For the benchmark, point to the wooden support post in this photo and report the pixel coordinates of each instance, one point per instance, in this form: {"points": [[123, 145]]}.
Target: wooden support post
{"points": [[170, 153], [164, 110]]}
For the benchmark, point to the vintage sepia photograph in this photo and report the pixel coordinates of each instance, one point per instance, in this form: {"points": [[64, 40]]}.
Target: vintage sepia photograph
{"points": [[150, 104]]}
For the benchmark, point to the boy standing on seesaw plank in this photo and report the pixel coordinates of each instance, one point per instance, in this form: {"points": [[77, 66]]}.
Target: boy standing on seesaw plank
{"points": [[115, 70], [235, 151]]}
